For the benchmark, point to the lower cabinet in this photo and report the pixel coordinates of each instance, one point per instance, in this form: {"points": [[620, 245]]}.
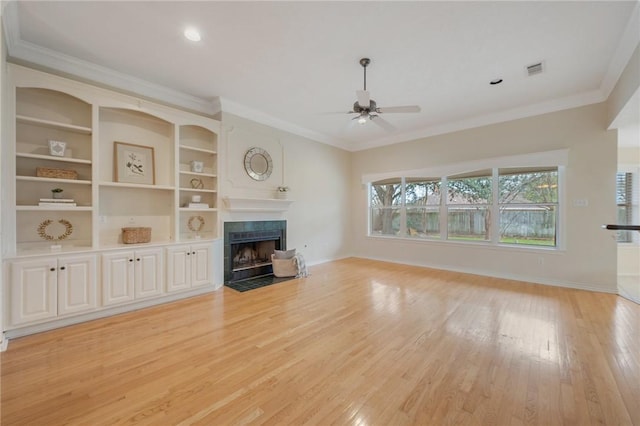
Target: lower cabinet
{"points": [[188, 266], [131, 275], [68, 288], [48, 287]]}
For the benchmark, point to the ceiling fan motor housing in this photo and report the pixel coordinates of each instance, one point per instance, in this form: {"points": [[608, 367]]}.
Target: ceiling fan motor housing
{"points": [[372, 107]]}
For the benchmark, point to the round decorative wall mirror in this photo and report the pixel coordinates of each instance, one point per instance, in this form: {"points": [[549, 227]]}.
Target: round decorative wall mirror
{"points": [[258, 164]]}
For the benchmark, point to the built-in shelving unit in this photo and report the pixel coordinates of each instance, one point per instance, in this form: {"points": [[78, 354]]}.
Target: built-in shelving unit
{"points": [[63, 251]]}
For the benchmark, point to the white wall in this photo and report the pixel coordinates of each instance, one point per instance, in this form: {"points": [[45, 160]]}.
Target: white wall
{"points": [[318, 222], [589, 260]]}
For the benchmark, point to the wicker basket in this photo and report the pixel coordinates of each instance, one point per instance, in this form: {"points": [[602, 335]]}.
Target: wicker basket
{"points": [[136, 235], [56, 173]]}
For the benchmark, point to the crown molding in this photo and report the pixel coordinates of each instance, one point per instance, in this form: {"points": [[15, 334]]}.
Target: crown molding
{"points": [[554, 105], [231, 107], [33, 54], [628, 42], [24, 52]]}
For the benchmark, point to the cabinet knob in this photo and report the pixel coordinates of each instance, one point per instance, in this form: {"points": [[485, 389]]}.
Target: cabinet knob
{"points": [[188, 253], [138, 259], [62, 268], [130, 260], [52, 269], [193, 252]]}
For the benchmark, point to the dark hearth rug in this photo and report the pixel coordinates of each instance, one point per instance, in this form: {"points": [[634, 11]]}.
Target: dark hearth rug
{"points": [[252, 283]]}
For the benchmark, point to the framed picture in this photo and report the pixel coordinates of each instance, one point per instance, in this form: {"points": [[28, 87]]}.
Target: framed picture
{"points": [[133, 163]]}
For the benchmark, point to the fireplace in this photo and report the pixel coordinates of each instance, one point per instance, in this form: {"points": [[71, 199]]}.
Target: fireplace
{"points": [[248, 247]]}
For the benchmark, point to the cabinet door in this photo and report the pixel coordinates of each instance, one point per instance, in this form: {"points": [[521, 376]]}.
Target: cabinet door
{"points": [[178, 268], [76, 284], [200, 265], [117, 277], [33, 290], [149, 273]]}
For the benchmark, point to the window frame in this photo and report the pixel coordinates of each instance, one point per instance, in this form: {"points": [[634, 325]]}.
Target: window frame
{"points": [[557, 159]]}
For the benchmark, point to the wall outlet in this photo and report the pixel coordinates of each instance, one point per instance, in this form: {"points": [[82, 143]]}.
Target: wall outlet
{"points": [[580, 202]]}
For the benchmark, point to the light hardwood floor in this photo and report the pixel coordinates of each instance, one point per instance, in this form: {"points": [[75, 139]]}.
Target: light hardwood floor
{"points": [[357, 343]]}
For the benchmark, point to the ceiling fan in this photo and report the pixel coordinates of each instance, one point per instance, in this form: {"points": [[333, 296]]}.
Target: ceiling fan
{"points": [[367, 109]]}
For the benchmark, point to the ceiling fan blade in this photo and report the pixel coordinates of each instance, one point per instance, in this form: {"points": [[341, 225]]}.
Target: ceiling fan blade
{"points": [[363, 98], [383, 123], [407, 108]]}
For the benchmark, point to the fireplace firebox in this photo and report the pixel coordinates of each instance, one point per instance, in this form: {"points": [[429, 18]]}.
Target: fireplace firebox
{"points": [[248, 248]]}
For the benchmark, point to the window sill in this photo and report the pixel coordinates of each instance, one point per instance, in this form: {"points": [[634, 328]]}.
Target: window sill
{"points": [[470, 244]]}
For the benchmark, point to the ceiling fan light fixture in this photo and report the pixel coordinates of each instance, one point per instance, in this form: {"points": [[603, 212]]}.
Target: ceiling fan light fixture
{"points": [[362, 119]]}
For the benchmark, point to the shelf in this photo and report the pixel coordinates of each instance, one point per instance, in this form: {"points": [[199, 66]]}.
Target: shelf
{"points": [[189, 209], [54, 208], [52, 180], [257, 204], [198, 174], [201, 150], [53, 124], [52, 158], [213, 191], [136, 186]]}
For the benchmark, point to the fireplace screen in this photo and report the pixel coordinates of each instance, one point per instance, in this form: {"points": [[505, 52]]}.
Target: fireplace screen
{"points": [[252, 255], [248, 251]]}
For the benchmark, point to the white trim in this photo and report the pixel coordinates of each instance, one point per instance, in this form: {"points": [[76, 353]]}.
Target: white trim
{"points": [[231, 107], [558, 157], [147, 303], [628, 43], [553, 105], [512, 277]]}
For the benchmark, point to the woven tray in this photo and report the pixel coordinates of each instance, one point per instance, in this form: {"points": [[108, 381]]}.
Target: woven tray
{"points": [[136, 235], [56, 173]]}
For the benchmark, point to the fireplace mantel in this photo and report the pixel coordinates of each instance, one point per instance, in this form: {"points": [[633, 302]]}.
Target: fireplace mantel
{"points": [[235, 204]]}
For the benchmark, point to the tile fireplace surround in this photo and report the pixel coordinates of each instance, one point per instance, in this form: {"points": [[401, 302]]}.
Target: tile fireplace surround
{"points": [[244, 232]]}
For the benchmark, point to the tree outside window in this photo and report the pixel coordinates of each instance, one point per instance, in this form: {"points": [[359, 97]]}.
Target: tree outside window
{"points": [[386, 201], [469, 199], [422, 201], [528, 204]]}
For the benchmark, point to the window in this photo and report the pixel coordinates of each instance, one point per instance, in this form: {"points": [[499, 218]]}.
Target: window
{"points": [[422, 201], [624, 198], [385, 202], [469, 198], [506, 201], [528, 203]]}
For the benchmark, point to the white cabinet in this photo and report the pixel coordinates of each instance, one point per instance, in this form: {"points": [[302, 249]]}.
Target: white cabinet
{"points": [[188, 266], [45, 288], [130, 275]]}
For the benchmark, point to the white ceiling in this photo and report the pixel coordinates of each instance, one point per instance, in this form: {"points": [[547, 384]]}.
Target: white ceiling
{"points": [[291, 64]]}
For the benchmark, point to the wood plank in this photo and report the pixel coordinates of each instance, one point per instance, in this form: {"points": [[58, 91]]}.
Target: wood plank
{"points": [[357, 342]]}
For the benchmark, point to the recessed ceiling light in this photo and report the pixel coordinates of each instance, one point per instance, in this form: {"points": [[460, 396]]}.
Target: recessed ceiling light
{"points": [[192, 34], [495, 81]]}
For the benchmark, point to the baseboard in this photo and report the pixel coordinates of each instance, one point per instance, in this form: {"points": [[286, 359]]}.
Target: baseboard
{"points": [[493, 274], [21, 331], [4, 344]]}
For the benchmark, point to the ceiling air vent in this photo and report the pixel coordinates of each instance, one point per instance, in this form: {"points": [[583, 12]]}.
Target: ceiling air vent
{"points": [[534, 69]]}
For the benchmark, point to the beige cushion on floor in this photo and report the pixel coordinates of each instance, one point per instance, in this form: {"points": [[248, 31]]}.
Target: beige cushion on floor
{"points": [[284, 267]]}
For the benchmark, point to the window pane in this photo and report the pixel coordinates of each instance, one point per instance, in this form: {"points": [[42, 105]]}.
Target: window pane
{"points": [[470, 190], [385, 221], [422, 192], [471, 223], [528, 186], [624, 196], [528, 224], [423, 222], [386, 194], [468, 199]]}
